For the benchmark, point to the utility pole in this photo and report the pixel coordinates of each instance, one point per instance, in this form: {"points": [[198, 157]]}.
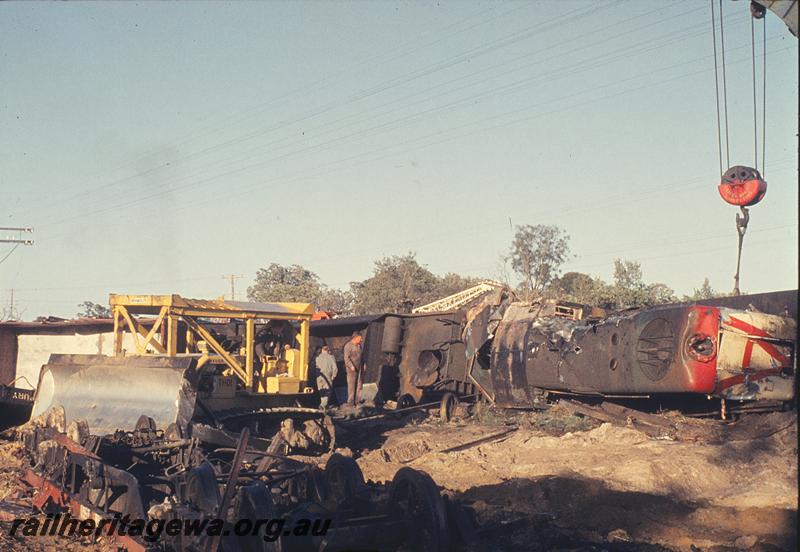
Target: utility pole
{"points": [[10, 313], [12, 310], [19, 239], [233, 278]]}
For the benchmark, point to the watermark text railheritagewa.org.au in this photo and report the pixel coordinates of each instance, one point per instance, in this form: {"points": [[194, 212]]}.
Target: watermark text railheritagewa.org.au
{"points": [[64, 525]]}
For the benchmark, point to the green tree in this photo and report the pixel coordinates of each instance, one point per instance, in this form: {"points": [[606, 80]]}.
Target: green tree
{"points": [[452, 283], [579, 287], [705, 291], [660, 294], [536, 255], [295, 283], [398, 284], [630, 291], [335, 300], [93, 310], [278, 283]]}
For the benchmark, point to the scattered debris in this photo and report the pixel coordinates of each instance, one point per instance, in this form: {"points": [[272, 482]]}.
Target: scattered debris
{"points": [[148, 474]]}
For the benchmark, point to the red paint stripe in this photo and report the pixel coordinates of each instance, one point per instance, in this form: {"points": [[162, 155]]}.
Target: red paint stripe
{"points": [[755, 376], [47, 490], [770, 349], [748, 353], [773, 351], [745, 327]]}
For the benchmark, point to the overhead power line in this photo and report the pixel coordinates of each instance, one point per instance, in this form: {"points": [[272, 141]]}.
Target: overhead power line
{"points": [[469, 55], [324, 169], [338, 140], [302, 91]]}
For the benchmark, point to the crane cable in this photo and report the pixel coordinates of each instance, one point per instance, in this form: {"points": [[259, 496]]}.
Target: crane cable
{"points": [[721, 58], [724, 85], [759, 14], [763, 97], [716, 86], [755, 108], [743, 217]]}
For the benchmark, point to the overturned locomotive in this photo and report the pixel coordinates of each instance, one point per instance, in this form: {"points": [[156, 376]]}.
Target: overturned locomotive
{"points": [[720, 352], [514, 354]]}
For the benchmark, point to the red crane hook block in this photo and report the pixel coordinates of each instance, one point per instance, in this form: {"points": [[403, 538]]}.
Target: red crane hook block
{"points": [[742, 186]]}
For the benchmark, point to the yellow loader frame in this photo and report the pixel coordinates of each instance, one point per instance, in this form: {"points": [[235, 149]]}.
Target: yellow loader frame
{"points": [[162, 337]]}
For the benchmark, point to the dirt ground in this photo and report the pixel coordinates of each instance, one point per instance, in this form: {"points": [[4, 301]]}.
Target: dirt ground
{"points": [[562, 482], [557, 481]]}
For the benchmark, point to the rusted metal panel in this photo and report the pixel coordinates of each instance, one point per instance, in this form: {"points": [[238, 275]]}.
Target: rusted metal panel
{"points": [[433, 353], [509, 352]]}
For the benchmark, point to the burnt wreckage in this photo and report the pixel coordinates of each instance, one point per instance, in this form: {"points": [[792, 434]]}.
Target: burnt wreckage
{"points": [[200, 425], [186, 460], [740, 349], [407, 357], [158, 476]]}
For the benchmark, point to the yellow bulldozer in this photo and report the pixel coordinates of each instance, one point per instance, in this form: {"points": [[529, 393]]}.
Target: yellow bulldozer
{"points": [[178, 362]]}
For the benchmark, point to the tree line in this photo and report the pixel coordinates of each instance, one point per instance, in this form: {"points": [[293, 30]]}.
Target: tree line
{"points": [[400, 283], [536, 255]]}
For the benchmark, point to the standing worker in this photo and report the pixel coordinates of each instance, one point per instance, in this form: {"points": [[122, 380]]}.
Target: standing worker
{"points": [[352, 364], [326, 373]]}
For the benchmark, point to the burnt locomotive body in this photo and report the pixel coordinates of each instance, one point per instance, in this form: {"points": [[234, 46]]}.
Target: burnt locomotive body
{"points": [[406, 356], [739, 348], [433, 355], [695, 349]]}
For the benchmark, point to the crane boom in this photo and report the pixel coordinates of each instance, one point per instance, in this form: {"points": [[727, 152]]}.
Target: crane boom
{"points": [[785, 9], [459, 299]]}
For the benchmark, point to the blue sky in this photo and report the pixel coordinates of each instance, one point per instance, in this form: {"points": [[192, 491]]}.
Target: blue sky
{"points": [[155, 147]]}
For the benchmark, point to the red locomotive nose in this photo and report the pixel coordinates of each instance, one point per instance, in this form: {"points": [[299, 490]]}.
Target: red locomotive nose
{"points": [[700, 348], [742, 186]]}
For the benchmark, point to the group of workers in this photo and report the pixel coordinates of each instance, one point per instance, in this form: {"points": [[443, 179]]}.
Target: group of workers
{"points": [[327, 370], [275, 341]]}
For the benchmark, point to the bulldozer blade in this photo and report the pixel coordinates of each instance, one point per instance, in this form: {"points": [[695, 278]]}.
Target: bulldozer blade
{"points": [[111, 393]]}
